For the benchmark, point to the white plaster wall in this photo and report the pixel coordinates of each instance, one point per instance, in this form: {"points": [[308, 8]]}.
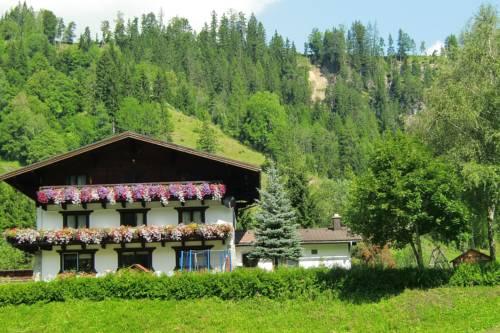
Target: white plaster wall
{"points": [[240, 251], [109, 217], [329, 255], [106, 260]]}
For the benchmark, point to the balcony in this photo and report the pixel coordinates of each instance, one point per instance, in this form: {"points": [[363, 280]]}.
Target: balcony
{"points": [[129, 193], [31, 240]]}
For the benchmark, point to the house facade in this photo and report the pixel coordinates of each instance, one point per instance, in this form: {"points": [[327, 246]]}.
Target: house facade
{"points": [[130, 200], [321, 247]]}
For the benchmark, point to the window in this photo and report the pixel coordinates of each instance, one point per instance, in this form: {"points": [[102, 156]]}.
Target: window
{"points": [[77, 180], [140, 256], [195, 257], [191, 214], [314, 251], [76, 220], [133, 217], [249, 262], [77, 261]]}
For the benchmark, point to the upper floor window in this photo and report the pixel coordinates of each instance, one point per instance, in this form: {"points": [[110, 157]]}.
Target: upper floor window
{"points": [[191, 214], [133, 217], [76, 220], [76, 180]]}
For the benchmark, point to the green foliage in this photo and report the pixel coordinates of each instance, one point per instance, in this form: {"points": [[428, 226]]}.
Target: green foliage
{"points": [[462, 124], [406, 194], [330, 196], [147, 118], [276, 235], [468, 275], [298, 191], [265, 121], [11, 258], [285, 283], [15, 211], [207, 140], [23, 122]]}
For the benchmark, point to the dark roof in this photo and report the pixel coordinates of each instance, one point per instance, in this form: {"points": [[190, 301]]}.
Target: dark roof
{"points": [[463, 255], [120, 137], [307, 236]]}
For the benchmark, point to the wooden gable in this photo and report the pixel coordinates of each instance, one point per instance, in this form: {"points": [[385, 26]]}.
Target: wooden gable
{"points": [[132, 158], [471, 256]]}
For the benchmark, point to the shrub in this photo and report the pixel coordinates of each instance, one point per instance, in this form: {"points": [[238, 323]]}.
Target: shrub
{"points": [[476, 274], [284, 283]]}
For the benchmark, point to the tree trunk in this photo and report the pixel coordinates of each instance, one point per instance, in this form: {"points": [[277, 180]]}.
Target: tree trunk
{"points": [[491, 231], [417, 249]]}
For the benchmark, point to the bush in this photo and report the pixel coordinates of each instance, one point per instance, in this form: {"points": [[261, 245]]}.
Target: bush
{"points": [[476, 275], [284, 283]]}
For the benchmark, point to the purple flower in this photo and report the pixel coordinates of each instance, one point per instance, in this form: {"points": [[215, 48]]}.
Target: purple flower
{"points": [[205, 189], [86, 194], [122, 193], [189, 191], [102, 192], [139, 192]]}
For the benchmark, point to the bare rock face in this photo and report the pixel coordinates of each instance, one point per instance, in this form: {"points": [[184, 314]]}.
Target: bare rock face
{"points": [[318, 84]]}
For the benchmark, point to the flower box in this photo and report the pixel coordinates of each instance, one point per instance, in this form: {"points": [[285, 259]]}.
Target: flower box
{"points": [[142, 193], [119, 235]]}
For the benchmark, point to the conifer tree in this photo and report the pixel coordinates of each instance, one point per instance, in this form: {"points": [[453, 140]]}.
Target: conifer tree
{"points": [[300, 198], [207, 140], [276, 232]]}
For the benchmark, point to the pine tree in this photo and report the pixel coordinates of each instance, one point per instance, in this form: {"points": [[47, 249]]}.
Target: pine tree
{"points": [[207, 140], [276, 232], [300, 198], [85, 40], [69, 33]]}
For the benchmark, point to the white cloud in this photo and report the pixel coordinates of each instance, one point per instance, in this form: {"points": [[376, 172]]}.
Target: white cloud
{"points": [[92, 12], [437, 46]]}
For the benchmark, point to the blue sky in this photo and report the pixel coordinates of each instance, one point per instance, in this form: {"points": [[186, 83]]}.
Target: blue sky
{"points": [[424, 20]]}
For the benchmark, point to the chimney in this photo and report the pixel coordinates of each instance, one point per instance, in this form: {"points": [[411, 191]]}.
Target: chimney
{"points": [[336, 225]]}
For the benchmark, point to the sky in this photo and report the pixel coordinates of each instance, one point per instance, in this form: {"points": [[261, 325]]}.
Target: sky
{"points": [[424, 20]]}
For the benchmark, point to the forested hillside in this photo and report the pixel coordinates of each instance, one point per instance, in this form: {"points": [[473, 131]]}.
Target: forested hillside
{"points": [[59, 91]]}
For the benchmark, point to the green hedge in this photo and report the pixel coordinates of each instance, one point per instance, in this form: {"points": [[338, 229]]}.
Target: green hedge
{"points": [[246, 283]]}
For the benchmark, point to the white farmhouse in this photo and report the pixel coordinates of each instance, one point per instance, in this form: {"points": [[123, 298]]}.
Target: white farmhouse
{"points": [[130, 200]]}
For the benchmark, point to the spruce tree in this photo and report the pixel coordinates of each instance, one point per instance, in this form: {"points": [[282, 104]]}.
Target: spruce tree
{"points": [[276, 231], [300, 198], [207, 140]]}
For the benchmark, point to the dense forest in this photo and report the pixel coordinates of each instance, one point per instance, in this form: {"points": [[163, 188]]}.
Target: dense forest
{"points": [[59, 91]]}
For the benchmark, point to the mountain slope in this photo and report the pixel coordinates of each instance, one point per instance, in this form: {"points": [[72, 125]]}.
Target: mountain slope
{"points": [[185, 133]]}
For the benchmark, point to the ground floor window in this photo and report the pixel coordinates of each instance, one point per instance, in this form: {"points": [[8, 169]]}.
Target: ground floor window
{"points": [[140, 256], [248, 261], [78, 261]]}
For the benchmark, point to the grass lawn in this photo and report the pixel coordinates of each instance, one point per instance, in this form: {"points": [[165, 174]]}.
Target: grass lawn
{"points": [[436, 310]]}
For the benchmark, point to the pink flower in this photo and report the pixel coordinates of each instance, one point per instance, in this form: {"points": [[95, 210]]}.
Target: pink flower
{"points": [[86, 194], [41, 197]]}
